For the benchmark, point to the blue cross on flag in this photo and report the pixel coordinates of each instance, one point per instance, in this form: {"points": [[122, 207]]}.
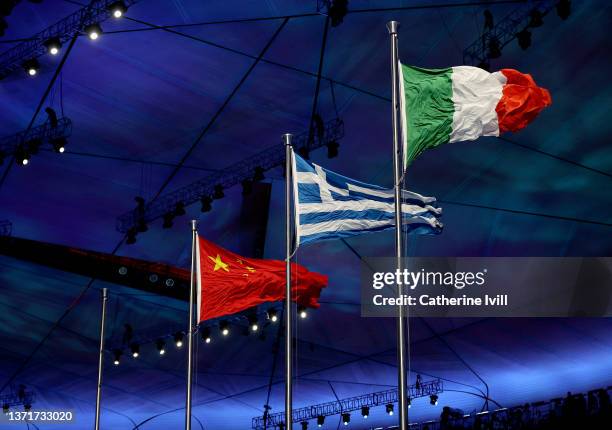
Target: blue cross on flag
{"points": [[332, 206]]}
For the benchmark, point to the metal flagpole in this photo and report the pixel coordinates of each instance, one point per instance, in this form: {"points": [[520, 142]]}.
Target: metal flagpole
{"points": [[392, 26], [288, 313], [104, 296], [194, 234]]}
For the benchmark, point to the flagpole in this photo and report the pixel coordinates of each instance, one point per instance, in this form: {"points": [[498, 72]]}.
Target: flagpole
{"points": [[104, 298], [288, 313], [393, 26], [190, 329]]}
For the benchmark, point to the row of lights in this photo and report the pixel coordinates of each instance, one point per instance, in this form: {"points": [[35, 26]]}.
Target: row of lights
{"points": [[365, 413], [54, 44], [206, 334]]}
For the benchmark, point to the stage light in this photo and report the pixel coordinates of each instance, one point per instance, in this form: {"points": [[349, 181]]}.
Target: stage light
{"points": [[123, 270], [51, 116], [135, 348], [488, 20], [259, 174], [53, 45], [218, 194], [484, 65], [178, 339], [142, 226], [389, 408], [27, 407], [247, 187], [409, 401], [332, 149], [22, 157], [320, 421], [31, 67], [346, 418], [206, 335], [117, 357], [224, 327], [524, 39], [93, 31], [304, 425], [433, 399], [564, 9], [272, 315], [161, 346], [302, 312], [337, 11], [118, 9], [535, 19], [304, 152], [179, 209], [206, 204], [6, 408], [365, 412], [494, 50], [253, 323], [168, 220], [169, 282], [131, 237], [59, 144]]}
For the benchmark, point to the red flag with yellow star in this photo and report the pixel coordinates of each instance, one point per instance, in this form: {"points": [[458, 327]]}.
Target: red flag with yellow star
{"points": [[229, 283]]}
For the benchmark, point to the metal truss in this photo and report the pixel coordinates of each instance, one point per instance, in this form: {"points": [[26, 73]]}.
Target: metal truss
{"points": [[64, 29], [505, 31], [17, 398], [232, 175], [6, 228], [42, 133], [347, 405]]}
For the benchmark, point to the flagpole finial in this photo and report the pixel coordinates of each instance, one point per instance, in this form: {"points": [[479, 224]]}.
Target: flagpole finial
{"points": [[194, 225], [287, 139], [393, 26]]}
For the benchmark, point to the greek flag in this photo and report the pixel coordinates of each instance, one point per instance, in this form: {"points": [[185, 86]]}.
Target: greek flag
{"points": [[331, 206]]}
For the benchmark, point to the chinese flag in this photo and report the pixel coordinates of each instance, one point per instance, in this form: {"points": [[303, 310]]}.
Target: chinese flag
{"points": [[229, 283]]}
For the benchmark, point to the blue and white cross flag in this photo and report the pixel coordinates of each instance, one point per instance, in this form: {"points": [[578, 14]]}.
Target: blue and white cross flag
{"points": [[331, 206]]}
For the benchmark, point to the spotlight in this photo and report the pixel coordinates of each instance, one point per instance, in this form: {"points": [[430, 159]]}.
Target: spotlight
{"points": [[320, 421], [272, 315], [153, 278], [168, 220], [564, 9], [31, 67], [59, 144], [224, 327], [304, 152], [488, 17], [117, 354], [51, 116], [302, 312], [123, 270], [259, 174], [365, 412], [535, 19], [524, 39], [409, 401], [346, 418], [27, 407], [6, 408], [433, 399], [332, 149], [179, 209], [253, 323], [494, 50], [169, 282], [142, 226], [389, 408], [135, 350], [53, 45], [117, 8], [218, 194], [93, 31], [337, 11], [178, 339], [22, 157], [247, 187], [206, 204], [304, 425], [33, 145], [206, 335], [161, 346], [131, 237]]}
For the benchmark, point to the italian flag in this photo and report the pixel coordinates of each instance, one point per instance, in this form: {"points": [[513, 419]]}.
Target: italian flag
{"points": [[463, 103]]}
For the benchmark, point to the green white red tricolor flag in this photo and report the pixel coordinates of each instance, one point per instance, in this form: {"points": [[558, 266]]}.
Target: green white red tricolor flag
{"points": [[463, 103]]}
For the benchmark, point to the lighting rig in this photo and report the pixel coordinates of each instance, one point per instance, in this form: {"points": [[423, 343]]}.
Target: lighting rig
{"points": [[515, 25], [17, 397], [51, 39], [28, 142], [211, 187], [344, 407]]}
